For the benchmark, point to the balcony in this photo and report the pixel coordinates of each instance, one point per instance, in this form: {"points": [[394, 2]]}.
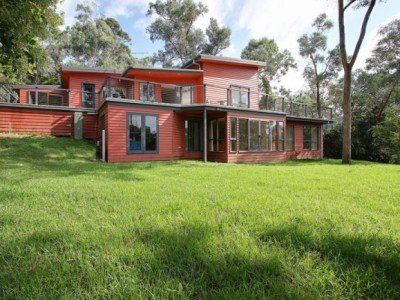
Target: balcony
{"points": [[133, 90]]}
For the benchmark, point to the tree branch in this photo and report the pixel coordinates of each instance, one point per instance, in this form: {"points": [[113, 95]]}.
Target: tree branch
{"points": [[342, 35], [349, 4], [362, 33]]}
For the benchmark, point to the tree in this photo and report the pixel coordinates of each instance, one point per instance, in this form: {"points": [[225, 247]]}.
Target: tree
{"points": [[324, 65], [348, 63], [23, 26], [277, 62], [174, 26]]}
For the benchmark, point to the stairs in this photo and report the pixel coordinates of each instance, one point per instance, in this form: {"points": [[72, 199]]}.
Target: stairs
{"points": [[7, 94]]}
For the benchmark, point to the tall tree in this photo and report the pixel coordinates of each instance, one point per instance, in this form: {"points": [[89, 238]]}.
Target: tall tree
{"points": [[174, 25], [23, 26], [348, 64], [277, 62], [323, 65]]}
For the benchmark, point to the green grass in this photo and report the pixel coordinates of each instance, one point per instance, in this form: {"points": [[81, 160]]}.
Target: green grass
{"points": [[76, 228]]}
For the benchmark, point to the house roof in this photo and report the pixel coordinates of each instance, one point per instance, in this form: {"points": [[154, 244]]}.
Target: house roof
{"points": [[223, 59], [177, 70], [90, 69]]}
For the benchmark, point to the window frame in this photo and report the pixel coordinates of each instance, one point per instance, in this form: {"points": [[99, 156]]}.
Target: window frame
{"points": [[37, 100], [239, 88], [292, 140], [141, 84], [57, 95], [218, 139], [236, 139], [142, 132], [92, 93], [201, 133], [310, 140], [180, 88]]}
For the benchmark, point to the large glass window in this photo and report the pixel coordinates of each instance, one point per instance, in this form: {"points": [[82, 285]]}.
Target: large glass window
{"points": [[46, 98], [254, 135], [310, 138], [193, 130], [147, 91], [216, 131], [239, 96], [142, 133], [280, 136], [233, 138], [243, 135], [88, 95], [264, 136], [290, 137], [185, 94]]}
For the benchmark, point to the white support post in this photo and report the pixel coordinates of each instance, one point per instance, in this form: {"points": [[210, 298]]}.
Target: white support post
{"points": [[103, 145]]}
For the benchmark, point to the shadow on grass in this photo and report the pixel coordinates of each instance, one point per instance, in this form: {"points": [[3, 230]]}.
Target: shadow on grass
{"points": [[373, 261]]}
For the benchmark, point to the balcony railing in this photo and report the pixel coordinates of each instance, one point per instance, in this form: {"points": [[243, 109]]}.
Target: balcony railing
{"points": [[146, 91]]}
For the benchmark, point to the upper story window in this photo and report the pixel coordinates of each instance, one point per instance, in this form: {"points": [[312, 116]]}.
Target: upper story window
{"points": [[185, 94], [177, 94], [147, 91], [46, 98], [240, 96], [88, 95]]}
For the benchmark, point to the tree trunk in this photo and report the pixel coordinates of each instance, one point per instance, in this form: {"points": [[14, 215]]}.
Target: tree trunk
{"points": [[319, 101], [346, 154]]}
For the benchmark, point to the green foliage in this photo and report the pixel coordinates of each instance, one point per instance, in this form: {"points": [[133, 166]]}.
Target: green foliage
{"points": [[277, 62], [174, 25], [75, 228], [24, 25], [387, 135], [323, 65]]}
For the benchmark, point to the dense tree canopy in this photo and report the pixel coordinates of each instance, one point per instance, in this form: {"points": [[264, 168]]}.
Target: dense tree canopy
{"points": [[24, 24], [174, 25], [277, 62]]}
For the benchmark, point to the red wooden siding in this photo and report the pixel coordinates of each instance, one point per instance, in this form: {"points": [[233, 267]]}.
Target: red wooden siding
{"points": [[224, 76], [170, 143], [299, 152], [90, 126], [36, 121]]}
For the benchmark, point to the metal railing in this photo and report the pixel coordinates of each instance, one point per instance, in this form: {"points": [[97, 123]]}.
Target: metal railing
{"points": [[146, 91]]}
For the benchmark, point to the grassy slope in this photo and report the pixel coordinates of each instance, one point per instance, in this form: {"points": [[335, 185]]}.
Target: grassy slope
{"points": [[70, 226]]}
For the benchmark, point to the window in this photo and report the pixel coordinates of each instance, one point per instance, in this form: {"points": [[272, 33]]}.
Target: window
{"points": [[147, 91], [142, 133], [310, 138], [56, 99], [290, 137], [257, 135], [88, 95], [239, 96], [185, 94], [280, 136], [193, 130], [233, 138], [217, 135]]}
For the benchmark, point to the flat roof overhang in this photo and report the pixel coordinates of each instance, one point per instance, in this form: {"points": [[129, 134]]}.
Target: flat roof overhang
{"points": [[308, 120], [163, 73]]}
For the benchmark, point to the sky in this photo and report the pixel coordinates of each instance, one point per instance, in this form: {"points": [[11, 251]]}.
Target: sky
{"points": [[282, 20]]}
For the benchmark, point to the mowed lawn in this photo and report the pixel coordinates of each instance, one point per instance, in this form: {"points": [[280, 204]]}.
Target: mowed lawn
{"points": [[73, 227]]}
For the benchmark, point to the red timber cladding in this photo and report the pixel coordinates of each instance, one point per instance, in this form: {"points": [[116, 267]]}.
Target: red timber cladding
{"points": [[36, 121], [198, 83], [224, 75], [169, 136], [299, 152], [24, 94], [76, 80], [251, 157], [90, 124]]}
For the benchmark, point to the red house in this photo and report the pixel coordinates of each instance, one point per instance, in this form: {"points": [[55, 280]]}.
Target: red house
{"points": [[211, 109]]}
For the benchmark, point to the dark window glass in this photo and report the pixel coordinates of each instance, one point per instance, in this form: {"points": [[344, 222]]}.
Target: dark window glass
{"points": [[55, 99], [233, 134], [274, 144], [264, 133], [290, 137], [254, 135], [41, 96], [193, 135], [239, 96], [243, 134], [151, 133], [217, 136], [310, 138], [135, 133], [280, 136], [146, 91], [88, 95]]}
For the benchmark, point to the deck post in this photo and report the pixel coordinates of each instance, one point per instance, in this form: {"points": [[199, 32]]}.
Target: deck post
{"points": [[36, 95], [205, 135], [103, 145]]}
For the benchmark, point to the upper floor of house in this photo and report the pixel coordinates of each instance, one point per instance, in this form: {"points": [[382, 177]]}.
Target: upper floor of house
{"points": [[205, 80]]}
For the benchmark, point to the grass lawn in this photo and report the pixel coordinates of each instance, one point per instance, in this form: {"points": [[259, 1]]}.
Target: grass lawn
{"points": [[76, 228]]}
